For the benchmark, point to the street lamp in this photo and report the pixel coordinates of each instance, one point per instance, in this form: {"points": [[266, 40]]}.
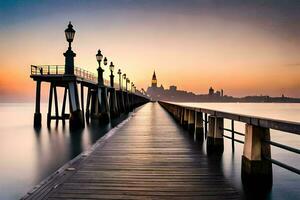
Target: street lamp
{"points": [[124, 78], [132, 85], [70, 33], [111, 68], [127, 81], [119, 73], [69, 54], [105, 61], [99, 57]]}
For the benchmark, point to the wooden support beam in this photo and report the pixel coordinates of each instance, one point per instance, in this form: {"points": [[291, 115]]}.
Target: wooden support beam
{"points": [[88, 100], [82, 103], [104, 116], [64, 106], [256, 169], [205, 124], [76, 115], [215, 141], [185, 117], [55, 103], [199, 126], [37, 123], [50, 105], [191, 121]]}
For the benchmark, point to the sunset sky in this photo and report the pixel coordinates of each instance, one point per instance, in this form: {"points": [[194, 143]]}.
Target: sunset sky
{"points": [[245, 47]]}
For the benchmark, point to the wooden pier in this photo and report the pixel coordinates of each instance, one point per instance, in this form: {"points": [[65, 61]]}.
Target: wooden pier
{"points": [[149, 157], [257, 158], [103, 101]]}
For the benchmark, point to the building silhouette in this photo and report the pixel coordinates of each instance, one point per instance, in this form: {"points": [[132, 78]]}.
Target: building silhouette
{"points": [[154, 80], [173, 94]]}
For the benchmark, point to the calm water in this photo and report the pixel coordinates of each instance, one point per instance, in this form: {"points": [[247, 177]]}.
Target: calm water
{"points": [[27, 156], [286, 184]]}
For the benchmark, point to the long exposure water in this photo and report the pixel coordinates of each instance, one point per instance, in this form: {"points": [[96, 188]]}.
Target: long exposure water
{"points": [[286, 184], [28, 156]]}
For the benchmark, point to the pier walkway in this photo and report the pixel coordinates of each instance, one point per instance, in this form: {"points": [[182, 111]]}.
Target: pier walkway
{"points": [[148, 157]]}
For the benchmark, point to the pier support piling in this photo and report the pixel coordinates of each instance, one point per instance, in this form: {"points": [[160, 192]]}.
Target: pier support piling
{"points": [[113, 103], [191, 121], [185, 118], [63, 114], [104, 115], [75, 112], [199, 126], [87, 112], [37, 123], [82, 104], [56, 105], [50, 106], [256, 169], [215, 140]]}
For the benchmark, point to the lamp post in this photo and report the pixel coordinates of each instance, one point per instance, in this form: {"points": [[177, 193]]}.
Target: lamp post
{"points": [[120, 78], [127, 81], [132, 85], [69, 54], [111, 68], [124, 78], [99, 57]]}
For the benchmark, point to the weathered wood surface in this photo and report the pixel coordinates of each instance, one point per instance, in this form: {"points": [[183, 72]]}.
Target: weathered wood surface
{"points": [[150, 157]]}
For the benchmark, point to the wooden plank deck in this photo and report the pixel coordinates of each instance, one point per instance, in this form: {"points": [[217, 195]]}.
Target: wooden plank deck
{"points": [[149, 157]]}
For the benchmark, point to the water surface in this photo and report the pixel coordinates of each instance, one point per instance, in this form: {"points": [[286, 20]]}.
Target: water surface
{"points": [[28, 156], [286, 184]]}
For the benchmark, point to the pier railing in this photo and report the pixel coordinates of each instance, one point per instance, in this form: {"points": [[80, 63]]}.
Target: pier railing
{"points": [[60, 70], [257, 159]]}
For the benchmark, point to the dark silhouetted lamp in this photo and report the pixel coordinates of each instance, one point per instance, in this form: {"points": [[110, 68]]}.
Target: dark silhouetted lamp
{"points": [[69, 54]]}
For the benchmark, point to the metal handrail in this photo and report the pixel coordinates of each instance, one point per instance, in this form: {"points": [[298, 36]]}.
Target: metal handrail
{"points": [[281, 125], [230, 130], [54, 70], [60, 70], [285, 126]]}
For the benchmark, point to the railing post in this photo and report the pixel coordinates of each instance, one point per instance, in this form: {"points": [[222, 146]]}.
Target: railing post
{"points": [[256, 169], [215, 141], [199, 125]]}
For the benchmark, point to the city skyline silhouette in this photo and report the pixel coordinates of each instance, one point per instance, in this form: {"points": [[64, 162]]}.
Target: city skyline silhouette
{"points": [[245, 48]]}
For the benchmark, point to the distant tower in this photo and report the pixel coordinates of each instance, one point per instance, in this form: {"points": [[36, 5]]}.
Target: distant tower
{"points": [[211, 91], [154, 81]]}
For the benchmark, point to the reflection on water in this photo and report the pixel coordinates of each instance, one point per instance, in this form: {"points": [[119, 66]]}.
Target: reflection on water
{"points": [[28, 156], [286, 184]]}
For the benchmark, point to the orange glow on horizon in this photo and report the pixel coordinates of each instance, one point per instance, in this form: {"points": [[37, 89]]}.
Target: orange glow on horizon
{"points": [[240, 59]]}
